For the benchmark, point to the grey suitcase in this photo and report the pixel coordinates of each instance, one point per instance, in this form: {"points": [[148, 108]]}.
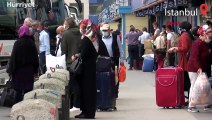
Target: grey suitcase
{"points": [[34, 109], [52, 83], [46, 94]]}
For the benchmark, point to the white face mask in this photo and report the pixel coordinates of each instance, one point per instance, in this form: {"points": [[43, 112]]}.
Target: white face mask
{"points": [[105, 34], [207, 40]]}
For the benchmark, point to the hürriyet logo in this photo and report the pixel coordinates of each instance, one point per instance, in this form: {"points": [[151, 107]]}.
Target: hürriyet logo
{"points": [[20, 5]]}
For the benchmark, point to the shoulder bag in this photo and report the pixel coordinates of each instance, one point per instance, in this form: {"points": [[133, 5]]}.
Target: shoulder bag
{"points": [[76, 66], [9, 95]]}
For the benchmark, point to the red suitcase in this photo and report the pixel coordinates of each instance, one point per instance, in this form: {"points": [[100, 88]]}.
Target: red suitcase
{"points": [[170, 87]]}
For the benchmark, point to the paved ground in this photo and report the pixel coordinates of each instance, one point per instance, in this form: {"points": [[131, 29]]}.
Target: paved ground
{"points": [[137, 102]]}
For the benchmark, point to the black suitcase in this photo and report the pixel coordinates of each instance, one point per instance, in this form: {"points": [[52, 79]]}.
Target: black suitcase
{"points": [[106, 99]]}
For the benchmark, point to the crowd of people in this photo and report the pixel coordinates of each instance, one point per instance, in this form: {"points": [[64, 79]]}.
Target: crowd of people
{"points": [[188, 49], [85, 40]]}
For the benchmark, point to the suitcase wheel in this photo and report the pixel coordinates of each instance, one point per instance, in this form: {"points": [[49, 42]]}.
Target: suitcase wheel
{"points": [[180, 107], [112, 109], [106, 109], [166, 107]]}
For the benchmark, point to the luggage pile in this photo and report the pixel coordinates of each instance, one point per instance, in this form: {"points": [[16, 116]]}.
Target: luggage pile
{"points": [[48, 101]]}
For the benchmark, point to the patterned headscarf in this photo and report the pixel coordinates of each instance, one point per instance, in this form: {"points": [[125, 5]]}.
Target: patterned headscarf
{"points": [[87, 28], [204, 30], [23, 31]]}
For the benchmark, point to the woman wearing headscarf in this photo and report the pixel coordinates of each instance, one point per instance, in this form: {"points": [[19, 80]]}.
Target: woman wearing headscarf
{"points": [[198, 61], [89, 48], [183, 49], [23, 63]]}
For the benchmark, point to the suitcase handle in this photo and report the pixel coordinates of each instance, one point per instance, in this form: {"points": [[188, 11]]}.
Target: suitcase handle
{"points": [[21, 117]]}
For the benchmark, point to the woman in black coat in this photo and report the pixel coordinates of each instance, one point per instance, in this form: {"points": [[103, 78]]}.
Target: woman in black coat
{"points": [[88, 76], [23, 63]]}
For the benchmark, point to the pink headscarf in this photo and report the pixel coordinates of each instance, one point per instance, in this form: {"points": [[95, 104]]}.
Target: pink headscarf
{"points": [[23, 31]]}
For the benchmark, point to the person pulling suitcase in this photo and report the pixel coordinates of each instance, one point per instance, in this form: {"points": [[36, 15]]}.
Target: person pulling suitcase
{"points": [[110, 46]]}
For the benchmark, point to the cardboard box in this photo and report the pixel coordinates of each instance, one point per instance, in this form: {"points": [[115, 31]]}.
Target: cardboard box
{"points": [[148, 51], [147, 44]]}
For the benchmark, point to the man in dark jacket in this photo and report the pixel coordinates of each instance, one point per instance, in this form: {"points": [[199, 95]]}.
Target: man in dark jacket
{"points": [[110, 46], [71, 43], [71, 39]]}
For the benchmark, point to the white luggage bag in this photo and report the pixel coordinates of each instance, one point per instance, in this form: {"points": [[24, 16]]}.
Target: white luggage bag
{"points": [[59, 70], [52, 96], [34, 109], [52, 84], [55, 75]]}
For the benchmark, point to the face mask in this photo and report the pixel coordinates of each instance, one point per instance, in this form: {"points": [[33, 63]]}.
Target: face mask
{"points": [[207, 40], [105, 34], [180, 30]]}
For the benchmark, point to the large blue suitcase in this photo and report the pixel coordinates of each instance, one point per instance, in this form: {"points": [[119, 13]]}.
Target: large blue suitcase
{"points": [[106, 100], [148, 64]]}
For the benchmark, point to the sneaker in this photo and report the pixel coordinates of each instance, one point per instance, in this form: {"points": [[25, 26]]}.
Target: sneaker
{"points": [[74, 109], [208, 107], [193, 109]]}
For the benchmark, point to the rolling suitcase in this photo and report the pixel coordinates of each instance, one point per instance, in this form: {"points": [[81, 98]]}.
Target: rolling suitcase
{"points": [[170, 87], [34, 109], [140, 63], [106, 100], [148, 64]]}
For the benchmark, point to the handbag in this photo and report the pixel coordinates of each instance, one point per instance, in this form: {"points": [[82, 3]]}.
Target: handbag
{"points": [[103, 64], [8, 98], [122, 74], [76, 66]]}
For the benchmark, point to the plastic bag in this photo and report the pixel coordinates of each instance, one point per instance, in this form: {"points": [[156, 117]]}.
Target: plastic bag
{"points": [[122, 74], [201, 93], [52, 61]]}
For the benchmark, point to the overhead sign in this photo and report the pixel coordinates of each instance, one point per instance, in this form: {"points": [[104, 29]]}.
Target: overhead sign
{"points": [[168, 4]]}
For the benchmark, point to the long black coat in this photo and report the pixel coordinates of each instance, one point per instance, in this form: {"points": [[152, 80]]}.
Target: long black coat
{"points": [[23, 64], [88, 80]]}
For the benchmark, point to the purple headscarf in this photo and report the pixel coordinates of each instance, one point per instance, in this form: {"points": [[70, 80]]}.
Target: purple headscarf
{"points": [[23, 31]]}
